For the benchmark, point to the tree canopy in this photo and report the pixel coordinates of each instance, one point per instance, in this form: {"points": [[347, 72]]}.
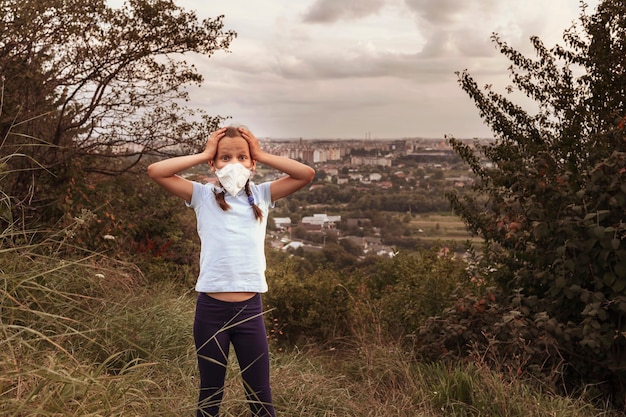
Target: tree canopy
{"points": [[550, 200], [81, 81]]}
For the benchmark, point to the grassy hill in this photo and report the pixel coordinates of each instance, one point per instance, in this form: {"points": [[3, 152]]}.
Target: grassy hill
{"points": [[84, 334]]}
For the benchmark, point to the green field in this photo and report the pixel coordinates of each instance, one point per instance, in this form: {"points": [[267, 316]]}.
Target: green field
{"points": [[445, 227]]}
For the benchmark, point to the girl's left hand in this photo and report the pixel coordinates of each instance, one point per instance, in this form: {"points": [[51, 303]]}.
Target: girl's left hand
{"points": [[253, 142]]}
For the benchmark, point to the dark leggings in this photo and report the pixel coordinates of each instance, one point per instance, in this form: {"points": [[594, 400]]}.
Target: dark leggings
{"points": [[218, 324]]}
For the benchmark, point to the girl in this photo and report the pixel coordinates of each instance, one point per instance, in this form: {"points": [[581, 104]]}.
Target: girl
{"points": [[231, 221]]}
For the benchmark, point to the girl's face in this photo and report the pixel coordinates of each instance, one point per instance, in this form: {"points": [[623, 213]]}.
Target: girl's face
{"points": [[232, 150]]}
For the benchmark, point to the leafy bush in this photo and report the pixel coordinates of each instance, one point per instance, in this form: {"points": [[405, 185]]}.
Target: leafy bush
{"points": [[301, 307], [393, 295], [551, 206], [409, 288], [129, 221]]}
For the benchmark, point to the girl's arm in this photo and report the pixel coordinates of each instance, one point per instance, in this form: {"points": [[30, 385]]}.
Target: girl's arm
{"points": [[165, 172], [298, 174]]}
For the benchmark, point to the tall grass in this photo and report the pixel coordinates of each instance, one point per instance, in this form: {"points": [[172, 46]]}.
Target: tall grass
{"points": [[81, 335]]}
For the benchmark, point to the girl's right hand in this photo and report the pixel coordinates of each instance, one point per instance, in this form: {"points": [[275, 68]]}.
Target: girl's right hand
{"points": [[211, 145]]}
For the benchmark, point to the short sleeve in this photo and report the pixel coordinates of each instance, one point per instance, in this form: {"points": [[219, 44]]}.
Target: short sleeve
{"points": [[198, 195]]}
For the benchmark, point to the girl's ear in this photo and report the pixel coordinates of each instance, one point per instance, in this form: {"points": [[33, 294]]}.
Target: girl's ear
{"points": [[253, 167], [211, 166]]}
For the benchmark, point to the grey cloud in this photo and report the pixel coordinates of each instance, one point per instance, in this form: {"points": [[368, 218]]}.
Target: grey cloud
{"points": [[429, 65], [455, 27], [330, 11], [447, 11], [463, 43], [436, 12], [383, 65]]}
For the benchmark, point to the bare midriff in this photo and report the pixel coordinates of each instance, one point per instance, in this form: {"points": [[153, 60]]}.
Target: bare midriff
{"points": [[231, 297]]}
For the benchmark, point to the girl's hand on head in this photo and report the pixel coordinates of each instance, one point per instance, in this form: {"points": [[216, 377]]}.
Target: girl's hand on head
{"points": [[253, 142], [211, 145]]}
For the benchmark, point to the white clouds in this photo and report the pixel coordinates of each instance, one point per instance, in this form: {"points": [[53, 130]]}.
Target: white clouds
{"points": [[340, 68]]}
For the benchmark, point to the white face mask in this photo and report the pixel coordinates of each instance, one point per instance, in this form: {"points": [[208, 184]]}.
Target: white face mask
{"points": [[233, 177]]}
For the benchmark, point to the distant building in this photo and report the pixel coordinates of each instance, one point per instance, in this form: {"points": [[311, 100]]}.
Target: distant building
{"points": [[371, 160], [371, 246], [293, 245], [320, 155], [335, 154], [282, 222], [321, 221]]}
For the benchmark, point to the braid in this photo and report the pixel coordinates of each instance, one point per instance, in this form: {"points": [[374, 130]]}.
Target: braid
{"points": [[221, 199], [258, 214]]}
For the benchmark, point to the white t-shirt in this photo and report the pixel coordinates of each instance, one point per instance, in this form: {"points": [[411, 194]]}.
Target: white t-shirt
{"points": [[232, 253]]}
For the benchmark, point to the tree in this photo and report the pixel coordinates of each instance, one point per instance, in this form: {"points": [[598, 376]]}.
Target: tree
{"points": [[83, 84], [552, 205]]}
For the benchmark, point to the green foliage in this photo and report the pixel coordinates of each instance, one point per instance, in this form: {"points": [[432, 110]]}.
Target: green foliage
{"points": [[331, 302], [408, 289], [311, 306], [83, 83], [129, 210], [551, 207], [415, 201]]}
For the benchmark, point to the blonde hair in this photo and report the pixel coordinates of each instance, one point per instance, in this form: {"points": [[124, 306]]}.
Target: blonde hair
{"points": [[220, 197]]}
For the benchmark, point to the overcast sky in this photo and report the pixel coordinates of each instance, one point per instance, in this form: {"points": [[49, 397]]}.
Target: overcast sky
{"points": [[357, 68]]}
